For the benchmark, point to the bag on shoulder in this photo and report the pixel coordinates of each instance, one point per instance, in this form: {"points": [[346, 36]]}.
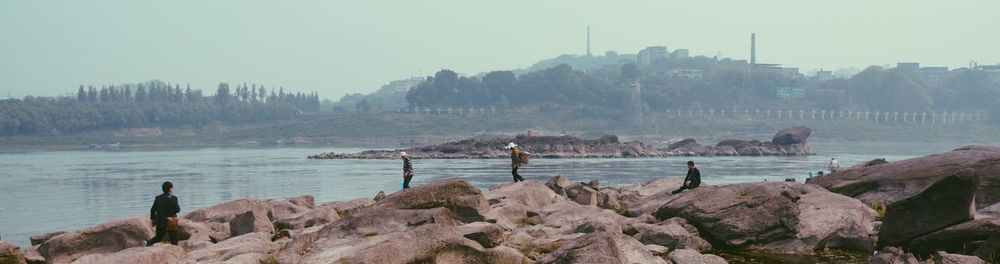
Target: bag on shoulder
{"points": [[172, 223], [524, 157]]}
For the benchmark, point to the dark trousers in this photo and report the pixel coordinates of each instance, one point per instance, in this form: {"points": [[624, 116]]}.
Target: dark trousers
{"points": [[406, 180], [517, 177], [684, 187], [161, 229]]}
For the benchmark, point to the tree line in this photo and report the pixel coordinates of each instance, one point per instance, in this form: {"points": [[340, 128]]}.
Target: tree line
{"points": [[151, 104]]}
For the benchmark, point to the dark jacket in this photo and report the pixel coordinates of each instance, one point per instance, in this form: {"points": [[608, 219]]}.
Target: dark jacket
{"points": [[694, 177], [515, 157], [165, 205], [407, 167]]}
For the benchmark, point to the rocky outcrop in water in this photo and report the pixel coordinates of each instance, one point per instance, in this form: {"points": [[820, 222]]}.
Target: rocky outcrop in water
{"points": [[792, 143]]}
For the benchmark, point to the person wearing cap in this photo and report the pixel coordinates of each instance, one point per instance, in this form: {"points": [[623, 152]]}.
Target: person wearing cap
{"points": [[515, 161], [692, 180], [407, 170]]}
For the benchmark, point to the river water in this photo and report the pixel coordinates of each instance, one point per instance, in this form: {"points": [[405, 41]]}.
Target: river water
{"points": [[46, 191]]}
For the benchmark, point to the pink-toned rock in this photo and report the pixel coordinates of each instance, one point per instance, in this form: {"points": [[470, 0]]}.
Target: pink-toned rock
{"points": [[104, 238]]}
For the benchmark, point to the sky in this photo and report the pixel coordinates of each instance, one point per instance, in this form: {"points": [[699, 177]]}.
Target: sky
{"points": [[337, 47]]}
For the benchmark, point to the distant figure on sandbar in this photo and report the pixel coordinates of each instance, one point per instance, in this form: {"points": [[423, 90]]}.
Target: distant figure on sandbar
{"points": [[833, 165], [517, 158], [164, 215], [407, 170], [692, 180]]}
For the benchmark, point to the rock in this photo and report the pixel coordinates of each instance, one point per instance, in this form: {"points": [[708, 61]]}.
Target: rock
{"points": [[10, 253], [990, 249], [39, 239], [584, 195], [430, 243], [657, 250], [104, 238], [512, 202], [893, 255], [609, 198], [466, 202], [349, 207], [827, 220], [946, 258], [250, 222], [307, 201], [894, 181], [225, 212], [488, 235], [738, 214], [32, 256], [158, 254], [602, 247], [252, 246], [693, 257], [190, 230], [792, 135], [318, 216], [568, 218], [957, 238], [279, 209], [683, 143], [558, 184], [992, 211], [674, 233], [947, 202], [379, 196]]}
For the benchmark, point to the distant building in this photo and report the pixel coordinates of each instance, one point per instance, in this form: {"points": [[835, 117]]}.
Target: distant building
{"points": [[402, 86], [688, 73], [790, 72], [822, 75], [791, 92], [680, 54], [908, 66], [650, 54]]}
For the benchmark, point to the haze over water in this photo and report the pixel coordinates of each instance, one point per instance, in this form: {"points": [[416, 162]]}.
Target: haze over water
{"points": [[47, 191]]}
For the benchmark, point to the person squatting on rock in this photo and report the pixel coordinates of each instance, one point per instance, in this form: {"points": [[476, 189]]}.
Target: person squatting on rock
{"points": [[515, 160], [692, 180], [407, 170], [164, 215]]}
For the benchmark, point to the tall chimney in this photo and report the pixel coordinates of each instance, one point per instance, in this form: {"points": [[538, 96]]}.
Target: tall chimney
{"points": [[753, 49]]}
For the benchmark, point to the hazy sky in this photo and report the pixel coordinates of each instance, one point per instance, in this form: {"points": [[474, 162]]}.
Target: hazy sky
{"points": [[336, 47]]}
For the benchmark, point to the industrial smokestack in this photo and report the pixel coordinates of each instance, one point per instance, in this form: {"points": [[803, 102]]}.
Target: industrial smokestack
{"points": [[753, 48]]}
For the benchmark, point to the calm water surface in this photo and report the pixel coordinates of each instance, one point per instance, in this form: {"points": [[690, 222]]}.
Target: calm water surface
{"points": [[46, 191]]}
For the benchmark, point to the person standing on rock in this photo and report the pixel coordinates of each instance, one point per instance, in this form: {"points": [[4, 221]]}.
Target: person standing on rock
{"points": [[407, 170], [692, 180], [833, 165], [515, 161], [164, 215]]}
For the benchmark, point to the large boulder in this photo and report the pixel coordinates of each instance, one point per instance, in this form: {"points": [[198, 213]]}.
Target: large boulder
{"points": [[947, 202], [945, 258], [893, 255], [674, 233], [737, 215], [487, 234], [349, 207], [104, 238], [827, 220], [962, 237], [39, 239], [250, 222], [318, 216], [10, 253], [687, 142], [225, 212], [690, 256], [278, 209], [602, 247], [558, 184], [431, 243], [159, 254], [464, 200], [307, 201], [512, 202], [792, 135], [251, 246], [889, 182]]}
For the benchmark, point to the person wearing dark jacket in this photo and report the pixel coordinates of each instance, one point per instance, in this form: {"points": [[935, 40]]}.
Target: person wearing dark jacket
{"points": [[692, 180], [407, 170], [165, 205], [515, 161]]}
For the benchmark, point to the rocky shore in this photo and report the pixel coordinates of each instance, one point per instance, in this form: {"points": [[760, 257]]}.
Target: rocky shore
{"points": [[787, 142], [923, 218]]}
